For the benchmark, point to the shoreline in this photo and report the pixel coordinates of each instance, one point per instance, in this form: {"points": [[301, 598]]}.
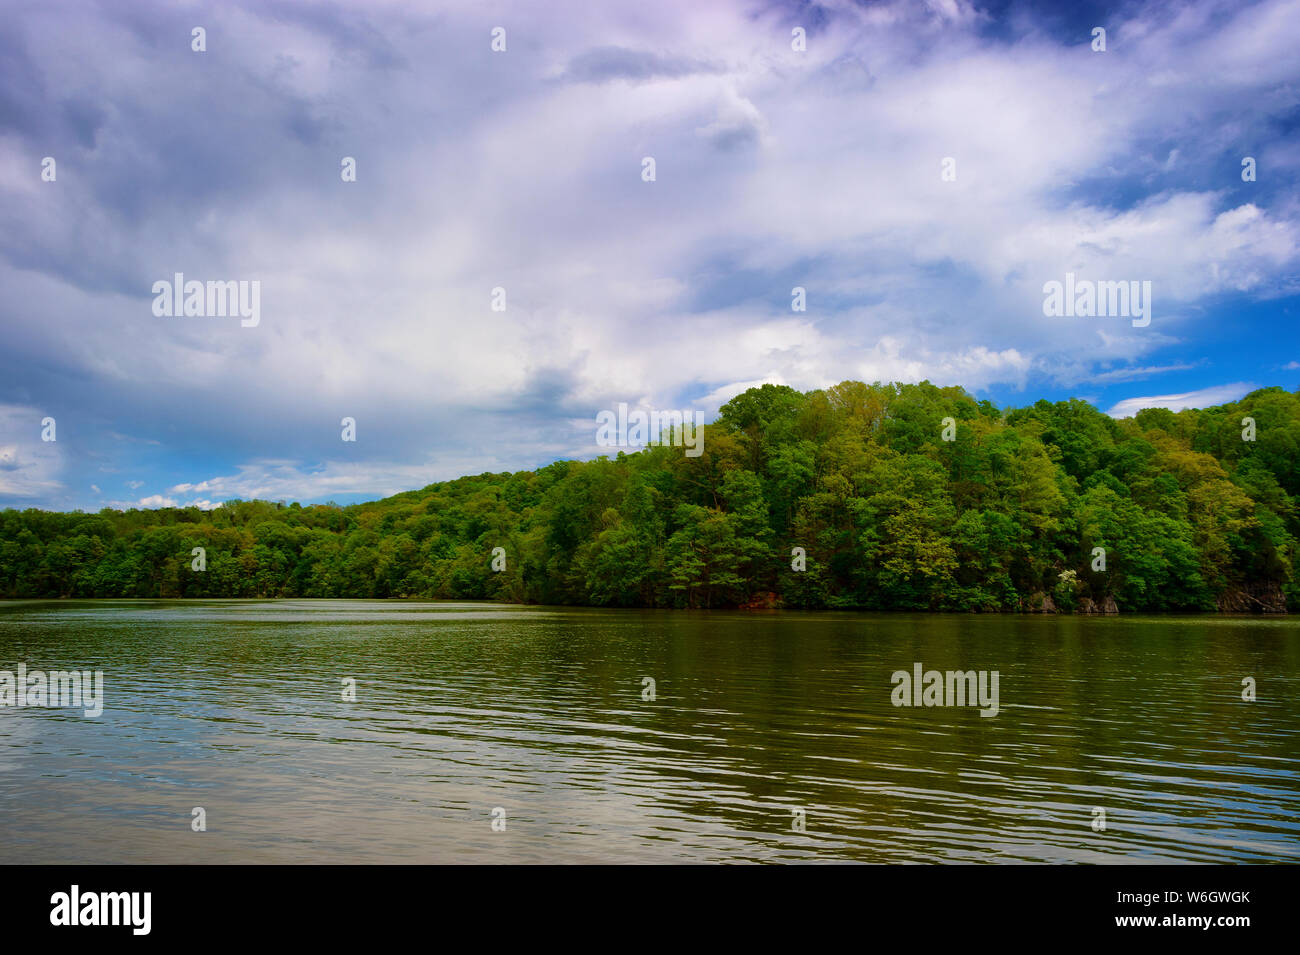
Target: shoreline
{"points": [[761, 611]]}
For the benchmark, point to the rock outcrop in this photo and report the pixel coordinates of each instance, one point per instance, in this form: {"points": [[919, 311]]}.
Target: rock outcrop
{"points": [[1105, 607], [1252, 598], [1039, 603]]}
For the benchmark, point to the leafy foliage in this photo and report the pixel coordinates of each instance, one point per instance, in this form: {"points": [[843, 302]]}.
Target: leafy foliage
{"points": [[890, 516]]}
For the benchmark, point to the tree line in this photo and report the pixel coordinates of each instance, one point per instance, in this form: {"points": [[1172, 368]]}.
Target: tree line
{"points": [[847, 497]]}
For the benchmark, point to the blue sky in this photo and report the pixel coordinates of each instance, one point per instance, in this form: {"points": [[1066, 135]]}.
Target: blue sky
{"points": [[522, 169]]}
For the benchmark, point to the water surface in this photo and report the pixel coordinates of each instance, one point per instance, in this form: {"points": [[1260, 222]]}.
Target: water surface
{"points": [[463, 709]]}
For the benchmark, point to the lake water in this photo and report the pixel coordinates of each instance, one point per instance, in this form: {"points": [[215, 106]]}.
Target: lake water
{"points": [[463, 709]]}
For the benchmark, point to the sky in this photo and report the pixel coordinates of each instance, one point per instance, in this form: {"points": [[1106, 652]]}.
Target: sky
{"points": [[922, 170]]}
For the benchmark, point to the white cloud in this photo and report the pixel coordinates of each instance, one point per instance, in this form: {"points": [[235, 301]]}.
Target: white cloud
{"points": [[477, 170], [156, 500], [292, 480], [29, 467], [1133, 372], [1202, 398]]}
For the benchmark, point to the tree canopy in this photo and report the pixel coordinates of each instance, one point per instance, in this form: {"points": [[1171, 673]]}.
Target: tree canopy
{"points": [[887, 513]]}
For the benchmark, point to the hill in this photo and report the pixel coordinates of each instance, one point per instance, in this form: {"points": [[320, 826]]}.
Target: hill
{"points": [[1054, 505]]}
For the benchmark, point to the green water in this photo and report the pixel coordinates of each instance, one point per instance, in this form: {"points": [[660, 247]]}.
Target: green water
{"points": [[463, 709]]}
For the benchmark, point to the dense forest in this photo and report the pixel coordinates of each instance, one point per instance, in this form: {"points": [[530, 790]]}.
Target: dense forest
{"points": [[858, 496]]}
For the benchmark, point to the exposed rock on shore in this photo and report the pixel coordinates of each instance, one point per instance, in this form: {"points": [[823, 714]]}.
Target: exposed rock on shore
{"points": [[1090, 606], [1252, 598], [1039, 603]]}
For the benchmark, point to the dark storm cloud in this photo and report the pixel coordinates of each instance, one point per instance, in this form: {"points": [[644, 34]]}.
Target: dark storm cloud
{"points": [[607, 63]]}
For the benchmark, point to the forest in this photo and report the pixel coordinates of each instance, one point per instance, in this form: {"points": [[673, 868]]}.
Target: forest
{"points": [[856, 496]]}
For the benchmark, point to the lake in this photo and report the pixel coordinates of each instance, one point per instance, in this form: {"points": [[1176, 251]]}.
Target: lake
{"points": [[496, 733]]}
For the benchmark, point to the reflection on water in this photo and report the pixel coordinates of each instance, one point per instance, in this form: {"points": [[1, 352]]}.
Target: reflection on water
{"points": [[462, 708]]}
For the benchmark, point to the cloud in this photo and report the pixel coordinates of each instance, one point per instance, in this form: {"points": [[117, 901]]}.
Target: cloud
{"points": [[606, 63], [521, 170], [1134, 372], [737, 123], [155, 501], [30, 469], [721, 395], [293, 480], [1202, 398]]}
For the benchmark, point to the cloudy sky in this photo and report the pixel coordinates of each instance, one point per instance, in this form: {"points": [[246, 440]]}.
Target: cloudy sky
{"points": [[522, 170]]}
